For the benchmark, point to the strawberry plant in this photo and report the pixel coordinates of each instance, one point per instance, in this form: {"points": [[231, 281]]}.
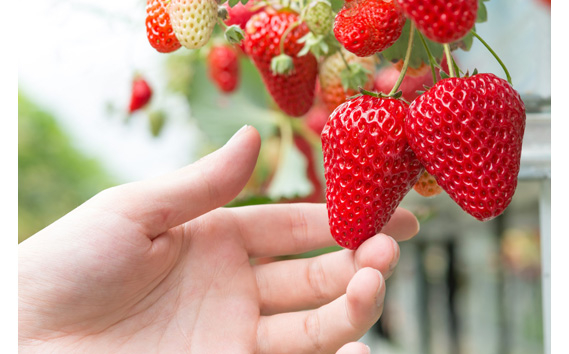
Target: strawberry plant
{"points": [[357, 102]]}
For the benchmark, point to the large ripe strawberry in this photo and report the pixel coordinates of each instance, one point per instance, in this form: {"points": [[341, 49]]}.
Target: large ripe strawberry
{"points": [[468, 133], [332, 91], [369, 167], [442, 21], [365, 27], [294, 92], [158, 27], [223, 67], [193, 21], [140, 94]]}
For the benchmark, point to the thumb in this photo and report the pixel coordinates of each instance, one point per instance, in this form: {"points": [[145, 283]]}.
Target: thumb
{"points": [[161, 203]]}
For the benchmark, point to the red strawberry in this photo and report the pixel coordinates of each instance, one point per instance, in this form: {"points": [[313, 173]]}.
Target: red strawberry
{"points": [[158, 27], [468, 133], [223, 67], [240, 14], [141, 94], [427, 185], [442, 21], [369, 167], [365, 27], [294, 92], [387, 76]]}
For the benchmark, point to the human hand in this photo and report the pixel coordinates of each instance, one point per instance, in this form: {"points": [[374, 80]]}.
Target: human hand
{"points": [[157, 266]]}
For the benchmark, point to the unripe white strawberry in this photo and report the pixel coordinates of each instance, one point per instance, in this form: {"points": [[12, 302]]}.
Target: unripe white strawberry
{"points": [[193, 21]]}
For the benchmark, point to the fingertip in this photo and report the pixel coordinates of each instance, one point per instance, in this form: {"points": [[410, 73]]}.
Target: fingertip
{"points": [[402, 226], [380, 252], [365, 294], [354, 348]]}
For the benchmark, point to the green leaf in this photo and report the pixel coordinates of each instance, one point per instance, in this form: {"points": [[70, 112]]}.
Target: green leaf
{"points": [[233, 2], [418, 54], [482, 15], [290, 180]]}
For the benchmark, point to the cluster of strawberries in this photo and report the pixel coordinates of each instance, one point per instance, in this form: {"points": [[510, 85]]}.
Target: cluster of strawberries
{"points": [[462, 135]]}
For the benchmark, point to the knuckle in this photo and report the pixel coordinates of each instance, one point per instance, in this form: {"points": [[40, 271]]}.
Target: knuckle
{"points": [[316, 279], [312, 328]]}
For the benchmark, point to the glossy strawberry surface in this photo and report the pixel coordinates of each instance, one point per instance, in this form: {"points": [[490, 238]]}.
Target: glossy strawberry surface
{"points": [[369, 167], [468, 133], [293, 93], [223, 67], [158, 27], [442, 21], [365, 27]]}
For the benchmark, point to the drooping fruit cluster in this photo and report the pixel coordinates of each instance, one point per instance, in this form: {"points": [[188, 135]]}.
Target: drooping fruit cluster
{"points": [[293, 92], [420, 129]]}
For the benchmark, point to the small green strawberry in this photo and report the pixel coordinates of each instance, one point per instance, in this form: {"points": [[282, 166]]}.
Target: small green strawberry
{"points": [[319, 17]]}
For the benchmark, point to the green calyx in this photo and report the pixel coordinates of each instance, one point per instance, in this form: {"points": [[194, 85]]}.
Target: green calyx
{"points": [[282, 64], [234, 34]]}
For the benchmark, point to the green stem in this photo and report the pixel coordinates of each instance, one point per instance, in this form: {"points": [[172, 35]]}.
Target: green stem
{"points": [[344, 60], [405, 61], [286, 33], [430, 56], [450, 60], [494, 54]]}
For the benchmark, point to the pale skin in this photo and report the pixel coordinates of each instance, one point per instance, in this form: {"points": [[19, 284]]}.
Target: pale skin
{"points": [[159, 266]]}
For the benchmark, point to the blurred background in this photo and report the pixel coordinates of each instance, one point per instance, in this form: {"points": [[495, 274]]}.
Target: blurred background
{"points": [[462, 286]]}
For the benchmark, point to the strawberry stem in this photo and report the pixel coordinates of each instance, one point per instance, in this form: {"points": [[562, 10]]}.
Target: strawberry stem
{"points": [[286, 33], [405, 61], [344, 60], [430, 56], [450, 60], [494, 54]]}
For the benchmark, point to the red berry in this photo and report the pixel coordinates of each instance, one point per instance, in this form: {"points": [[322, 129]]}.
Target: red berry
{"points": [[158, 27], [365, 27], [223, 67], [141, 94], [468, 133], [293, 93], [442, 21], [240, 14], [369, 167]]}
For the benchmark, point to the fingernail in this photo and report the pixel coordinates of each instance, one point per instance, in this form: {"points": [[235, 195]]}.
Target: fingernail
{"points": [[237, 133], [368, 349], [378, 295], [395, 259]]}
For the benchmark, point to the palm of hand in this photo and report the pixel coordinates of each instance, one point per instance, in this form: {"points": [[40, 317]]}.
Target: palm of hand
{"points": [[128, 272]]}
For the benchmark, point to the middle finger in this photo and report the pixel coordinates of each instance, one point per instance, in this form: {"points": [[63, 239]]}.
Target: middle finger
{"points": [[300, 284]]}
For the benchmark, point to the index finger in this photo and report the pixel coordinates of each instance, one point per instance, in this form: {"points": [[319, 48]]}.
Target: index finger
{"points": [[282, 229]]}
